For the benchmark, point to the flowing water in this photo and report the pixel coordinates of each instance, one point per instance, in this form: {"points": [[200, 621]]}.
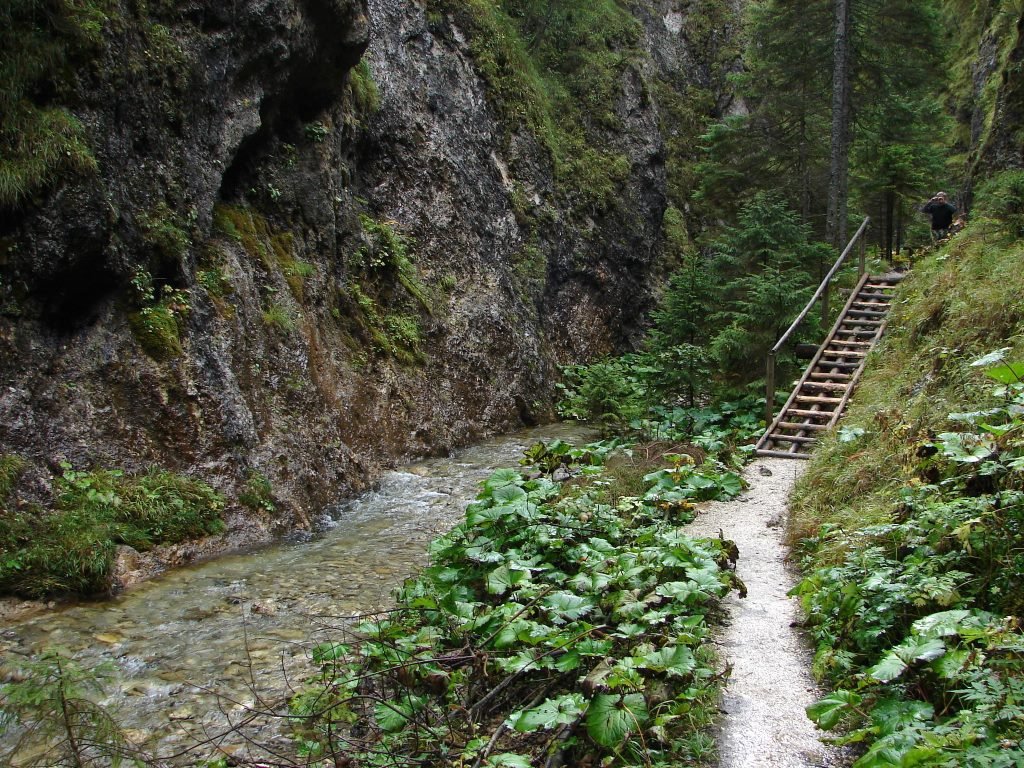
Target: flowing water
{"points": [[201, 647]]}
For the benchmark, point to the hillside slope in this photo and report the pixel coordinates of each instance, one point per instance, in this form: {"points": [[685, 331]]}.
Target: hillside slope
{"points": [[910, 521]]}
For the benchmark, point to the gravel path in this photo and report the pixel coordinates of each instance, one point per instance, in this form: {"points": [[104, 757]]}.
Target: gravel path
{"points": [[764, 722]]}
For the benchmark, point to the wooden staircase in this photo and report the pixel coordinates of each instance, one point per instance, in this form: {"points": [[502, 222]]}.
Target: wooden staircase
{"points": [[820, 397]]}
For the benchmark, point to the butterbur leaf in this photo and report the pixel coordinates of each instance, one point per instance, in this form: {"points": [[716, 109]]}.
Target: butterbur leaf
{"points": [[996, 356], [849, 434], [680, 591], [730, 484], [942, 624], [889, 668], [508, 494], [567, 606], [508, 760], [393, 715], [827, 712], [611, 718], [916, 649], [672, 659], [561, 711], [502, 578], [499, 478], [1007, 373]]}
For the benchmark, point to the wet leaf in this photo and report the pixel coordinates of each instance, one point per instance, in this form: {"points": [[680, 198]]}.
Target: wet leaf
{"points": [[611, 718]]}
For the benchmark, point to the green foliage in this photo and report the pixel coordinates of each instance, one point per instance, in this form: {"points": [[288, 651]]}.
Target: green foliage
{"points": [[162, 234], [71, 548], [382, 265], [278, 317], [53, 711], [563, 619], [11, 467], [912, 539], [365, 96], [158, 323], [1001, 198], [316, 131], [258, 493]]}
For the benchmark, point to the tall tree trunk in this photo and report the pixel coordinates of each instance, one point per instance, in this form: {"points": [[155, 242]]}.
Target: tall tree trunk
{"points": [[890, 223], [839, 155]]}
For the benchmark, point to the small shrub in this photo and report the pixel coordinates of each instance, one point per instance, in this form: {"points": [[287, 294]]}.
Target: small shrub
{"points": [[55, 700], [258, 494], [316, 131], [215, 282]]}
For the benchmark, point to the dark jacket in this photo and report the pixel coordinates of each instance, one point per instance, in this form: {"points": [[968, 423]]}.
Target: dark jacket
{"points": [[941, 213]]}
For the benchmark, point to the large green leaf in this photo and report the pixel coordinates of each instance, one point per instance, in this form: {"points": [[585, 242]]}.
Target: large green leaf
{"points": [[565, 606], [393, 715], [560, 711], [889, 668], [509, 760], [672, 659], [611, 718], [502, 578], [1007, 373], [827, 712]]}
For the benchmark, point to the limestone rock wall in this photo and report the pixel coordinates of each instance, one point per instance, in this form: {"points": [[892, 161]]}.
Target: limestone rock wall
{"points": [[342, 249]]}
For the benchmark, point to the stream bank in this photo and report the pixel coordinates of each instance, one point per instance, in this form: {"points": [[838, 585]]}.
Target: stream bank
{"points": [[201, 646], [763, 723]]}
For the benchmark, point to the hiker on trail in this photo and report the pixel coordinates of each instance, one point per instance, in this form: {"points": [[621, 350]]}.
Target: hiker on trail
{"points": [[941, 211]]}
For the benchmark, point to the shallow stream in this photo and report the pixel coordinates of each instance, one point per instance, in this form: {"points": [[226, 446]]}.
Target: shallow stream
{"points": [[199, 647]]}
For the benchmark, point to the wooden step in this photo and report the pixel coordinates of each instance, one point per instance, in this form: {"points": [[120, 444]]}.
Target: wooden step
{"points": [[868, 303], [800, 427], [824, 386], [838, 364], [817, 399], [859, 321], [821, 375], [783, 454], [843, 353], [808, 414], [792, 439], [865, 313]]}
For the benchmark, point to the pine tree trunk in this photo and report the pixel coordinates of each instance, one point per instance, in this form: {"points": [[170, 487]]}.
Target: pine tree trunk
{"points": [[835, 219], [890, 220]]}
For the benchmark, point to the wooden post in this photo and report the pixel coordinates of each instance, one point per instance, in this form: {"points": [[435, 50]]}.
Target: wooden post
{"points": [[860, 263], [824, 305], [769, 380]]}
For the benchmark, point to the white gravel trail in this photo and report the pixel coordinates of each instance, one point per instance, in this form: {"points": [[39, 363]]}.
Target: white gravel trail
{"points": [[764, 723]]}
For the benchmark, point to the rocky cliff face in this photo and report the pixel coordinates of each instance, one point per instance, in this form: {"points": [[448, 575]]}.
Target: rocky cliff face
{"points": [[289, 266]]}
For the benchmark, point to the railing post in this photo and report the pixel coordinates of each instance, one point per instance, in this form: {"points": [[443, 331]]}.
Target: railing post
{"points": [[860, 263], [824, 305], [769, 380]]}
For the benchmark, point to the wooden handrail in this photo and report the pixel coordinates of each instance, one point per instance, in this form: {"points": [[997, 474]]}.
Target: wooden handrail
{"points": [[823, 294]]}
